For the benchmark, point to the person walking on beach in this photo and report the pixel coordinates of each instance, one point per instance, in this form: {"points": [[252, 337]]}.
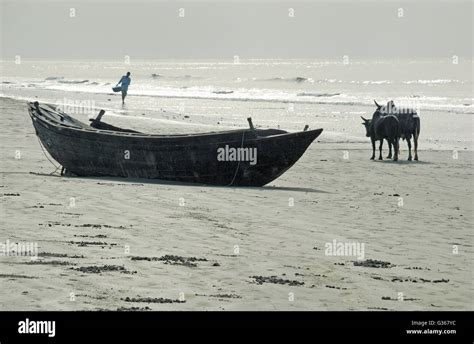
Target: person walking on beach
{"points": [[125, 81]]}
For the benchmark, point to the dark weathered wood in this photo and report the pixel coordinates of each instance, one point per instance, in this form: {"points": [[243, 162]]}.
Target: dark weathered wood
{"points": [[98, 124], [250, 123], [117, 152]]}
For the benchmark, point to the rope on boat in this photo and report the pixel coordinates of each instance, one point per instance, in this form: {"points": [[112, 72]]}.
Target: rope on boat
{"points": [[42, 148], [238, 165]]}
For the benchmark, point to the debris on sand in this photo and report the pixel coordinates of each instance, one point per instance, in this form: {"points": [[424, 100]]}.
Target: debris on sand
{"points": [[174, 260], [226, 296], [105, 268], [98, 226], [89, 225], [371, 263], [102, 244], [58, 255], [221, 296], [133, 309], [416, 280], [148, 259], [441, 281], [151, 300], [275, 280], [49, 262], [101, 236], [335, 287], [416, 268]]}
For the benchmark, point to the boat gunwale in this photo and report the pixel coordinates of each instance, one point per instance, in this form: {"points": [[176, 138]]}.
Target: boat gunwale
{"points": [[46, 119]]}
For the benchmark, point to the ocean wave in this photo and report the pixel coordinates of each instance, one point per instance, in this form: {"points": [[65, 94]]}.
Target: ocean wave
{"points": [[173, 77], [309, 94], [279, 96], [433, 82], [387, 82], [298, 79], [328, 81], [73, 81], [356, 82], [377, 82]]}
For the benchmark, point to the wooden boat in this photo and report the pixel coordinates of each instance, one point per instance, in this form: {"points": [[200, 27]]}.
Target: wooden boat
{"points": [[105, 150]]}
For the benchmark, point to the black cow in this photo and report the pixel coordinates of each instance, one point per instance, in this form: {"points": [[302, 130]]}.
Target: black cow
{"points": [[409, 124], [382, 127]]}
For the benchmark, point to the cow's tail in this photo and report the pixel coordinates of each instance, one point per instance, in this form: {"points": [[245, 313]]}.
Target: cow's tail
{"points": [[396, 127]]}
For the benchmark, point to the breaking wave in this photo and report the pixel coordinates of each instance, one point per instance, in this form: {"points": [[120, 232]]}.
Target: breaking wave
{"points": [[298, 79], [433, 82], [73, 81], [173, 77]]}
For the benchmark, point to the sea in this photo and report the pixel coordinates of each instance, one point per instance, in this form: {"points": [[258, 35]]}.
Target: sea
{"points": [[202, 95]]}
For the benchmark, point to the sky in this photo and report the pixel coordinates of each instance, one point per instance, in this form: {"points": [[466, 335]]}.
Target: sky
{"points": [[141, 29]]}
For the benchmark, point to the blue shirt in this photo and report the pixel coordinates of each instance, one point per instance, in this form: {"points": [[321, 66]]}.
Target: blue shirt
{"points": [[125, 81]]}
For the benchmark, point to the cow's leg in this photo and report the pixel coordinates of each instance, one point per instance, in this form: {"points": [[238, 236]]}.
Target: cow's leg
{"points": [[389, 156], [409, 148], [380, 149], [415, 140], [397, 141], [373, 149], [396, 147]]}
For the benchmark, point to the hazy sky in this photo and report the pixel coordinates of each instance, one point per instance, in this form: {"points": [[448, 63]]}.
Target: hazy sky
{"points": [[222, 29]]}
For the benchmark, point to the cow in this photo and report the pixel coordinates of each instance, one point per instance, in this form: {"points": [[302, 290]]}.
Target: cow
{"points": [[410, 125], [381, 127]]}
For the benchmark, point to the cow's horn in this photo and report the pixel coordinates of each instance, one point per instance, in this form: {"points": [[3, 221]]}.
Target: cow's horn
{"points": [[365, 120], [378, 106]]}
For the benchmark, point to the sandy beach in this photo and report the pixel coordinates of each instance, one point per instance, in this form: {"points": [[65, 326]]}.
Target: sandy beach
{"points": [[116, 244]]}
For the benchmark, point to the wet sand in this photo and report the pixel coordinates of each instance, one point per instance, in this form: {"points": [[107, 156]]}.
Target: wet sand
{"points": [[116, 244]]}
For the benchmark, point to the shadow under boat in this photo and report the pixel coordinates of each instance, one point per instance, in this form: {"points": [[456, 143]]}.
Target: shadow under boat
{"points": [[214, 158], [138, 181]]}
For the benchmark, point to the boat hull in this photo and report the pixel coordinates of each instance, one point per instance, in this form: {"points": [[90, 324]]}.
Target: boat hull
{"points": [[86, 151]]}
